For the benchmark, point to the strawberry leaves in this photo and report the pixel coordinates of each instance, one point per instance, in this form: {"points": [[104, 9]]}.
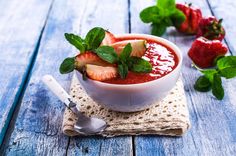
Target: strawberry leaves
{"points": [[162, 15], [211, 80]]}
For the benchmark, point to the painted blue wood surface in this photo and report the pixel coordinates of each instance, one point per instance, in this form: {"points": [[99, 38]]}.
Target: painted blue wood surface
{"points": [[21, 23], [37, 129], [213, 121]]}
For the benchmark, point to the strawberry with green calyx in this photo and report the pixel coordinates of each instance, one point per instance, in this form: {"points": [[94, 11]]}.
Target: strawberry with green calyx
{"points": [[101, 62], [193, 16], [162, 15], [211, 28], [204, 52], [211, 79]]}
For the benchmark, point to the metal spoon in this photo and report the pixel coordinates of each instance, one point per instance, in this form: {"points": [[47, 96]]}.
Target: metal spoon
{"points": [[84, 124]]}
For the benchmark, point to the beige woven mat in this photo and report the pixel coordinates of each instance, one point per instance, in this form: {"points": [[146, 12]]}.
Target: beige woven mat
{"points": [[168, 117]]}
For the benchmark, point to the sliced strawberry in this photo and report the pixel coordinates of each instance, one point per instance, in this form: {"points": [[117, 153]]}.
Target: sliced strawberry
{"points": [[138, 47], [101, 73], [88, 58], [109, 39]]}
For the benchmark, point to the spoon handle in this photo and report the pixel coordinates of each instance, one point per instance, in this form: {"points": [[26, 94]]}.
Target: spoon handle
{"points": [[57, 89]]}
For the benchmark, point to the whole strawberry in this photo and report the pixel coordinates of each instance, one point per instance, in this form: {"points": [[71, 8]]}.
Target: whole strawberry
{"points": [[211, 28], [193, 17], [204, 52]]}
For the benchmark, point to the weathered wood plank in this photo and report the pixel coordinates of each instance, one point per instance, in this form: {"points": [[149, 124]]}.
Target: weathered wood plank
{"points": [[37, 129], [112, 15], [225, 9], [213, 121], [21, 23]]}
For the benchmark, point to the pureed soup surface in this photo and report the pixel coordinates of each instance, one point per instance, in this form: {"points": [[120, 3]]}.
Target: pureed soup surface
{"points": [[163, 60]]}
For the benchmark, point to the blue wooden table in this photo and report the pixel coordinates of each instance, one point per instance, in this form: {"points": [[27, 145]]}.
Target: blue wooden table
{"points": [[32, 44]]}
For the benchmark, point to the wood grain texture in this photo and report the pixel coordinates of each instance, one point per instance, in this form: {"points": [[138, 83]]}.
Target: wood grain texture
{"points": [[213, 121], [226, 9], [111, 15], [21, 23], [37, 129]]}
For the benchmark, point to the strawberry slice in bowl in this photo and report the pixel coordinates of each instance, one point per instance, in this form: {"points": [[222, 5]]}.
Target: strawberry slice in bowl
{"points": [[138, 47], [109, 39], [89, 58], [100, 73]]}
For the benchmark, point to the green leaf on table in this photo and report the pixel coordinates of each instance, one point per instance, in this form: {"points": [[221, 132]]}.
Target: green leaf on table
{"points": [[166, 4], [178, 18], [150, 14], [67, 66], [227, 66], [139, 65], [125, 54], [202, 84], [107, 53], [217, 88], [123, 70], [76, 41], [209, 73], [158, 29], [94, 38]]}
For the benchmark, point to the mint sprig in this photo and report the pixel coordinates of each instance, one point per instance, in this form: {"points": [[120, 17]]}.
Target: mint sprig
{"points": [[212, 78], [92, 40], [125, 62], [162, 15], [92, 43]]}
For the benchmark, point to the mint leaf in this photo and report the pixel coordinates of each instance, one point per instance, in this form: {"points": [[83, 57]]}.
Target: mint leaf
{"points": [[227, 61], [139, 65], [123, 70], [166, 4], [107, 53], [178, 17], [76, 41], [67, 66], [217, 89], [94, 38], [228, 73], [227, 66], [202, 84], [209, 73], [158, 29], [125, 54], [150, 14]]}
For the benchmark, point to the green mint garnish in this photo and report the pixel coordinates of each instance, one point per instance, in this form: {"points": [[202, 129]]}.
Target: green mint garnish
{"points": [[92, 43], [211, 80], [107, 53], [67, 65], [92, 40], [162, 15]]}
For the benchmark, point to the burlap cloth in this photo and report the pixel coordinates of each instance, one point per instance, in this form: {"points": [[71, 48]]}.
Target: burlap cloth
{"points": [[168, 117]]}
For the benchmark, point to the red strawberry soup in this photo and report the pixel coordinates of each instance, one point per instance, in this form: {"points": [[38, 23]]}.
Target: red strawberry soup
{"points": [[163, 60]]}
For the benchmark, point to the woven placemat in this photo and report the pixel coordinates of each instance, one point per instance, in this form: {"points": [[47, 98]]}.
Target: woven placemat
{"points": [[167, 117]]}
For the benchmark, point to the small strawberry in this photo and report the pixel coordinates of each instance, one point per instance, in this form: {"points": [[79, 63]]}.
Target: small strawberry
{"points": [[109, 39], [204, 52], [193, 17], [100, 73], [211, 28], [88, 58], [138, 47]]}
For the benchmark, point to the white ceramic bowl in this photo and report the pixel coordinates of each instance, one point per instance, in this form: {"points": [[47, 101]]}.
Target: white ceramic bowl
{"points": [[134, 97]]}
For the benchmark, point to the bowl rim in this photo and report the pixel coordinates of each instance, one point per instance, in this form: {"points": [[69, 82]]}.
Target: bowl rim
{"points": [[166, 42]]}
